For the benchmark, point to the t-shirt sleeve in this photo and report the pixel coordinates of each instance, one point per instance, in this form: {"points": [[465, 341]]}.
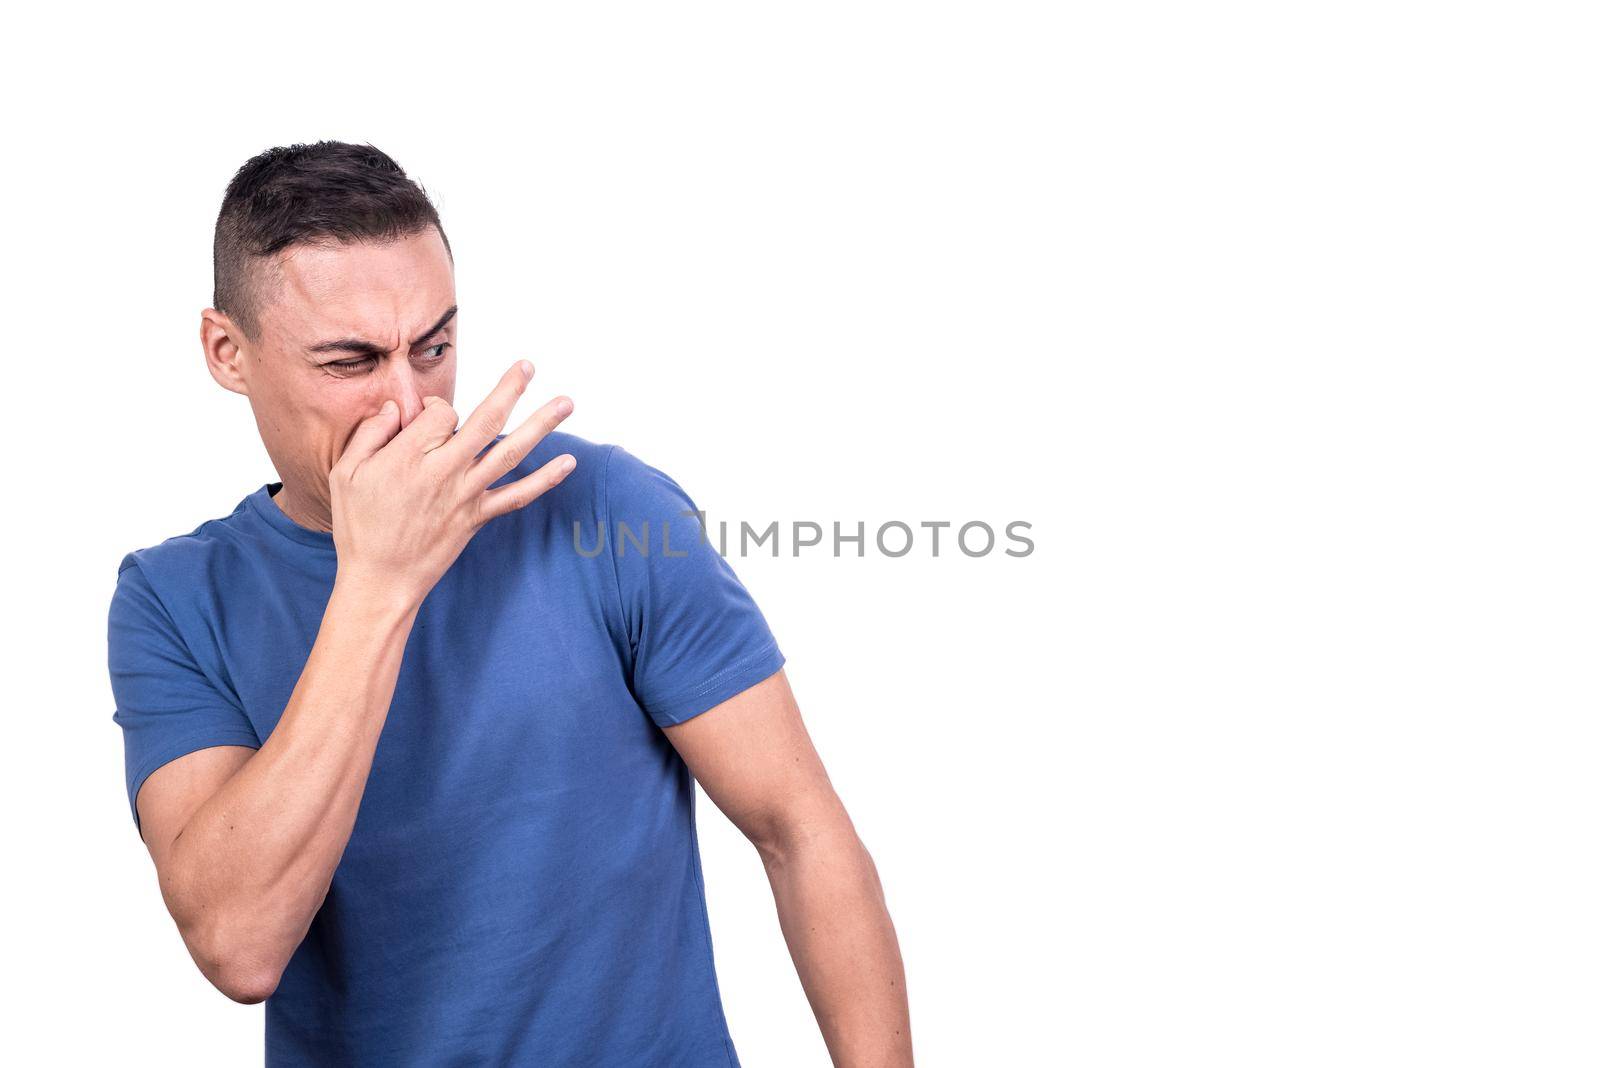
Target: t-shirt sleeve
{"points": [[165, 704], [696, 635]]}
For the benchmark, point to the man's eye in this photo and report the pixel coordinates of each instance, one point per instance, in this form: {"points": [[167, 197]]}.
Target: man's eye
{"points": [[432, 354]]}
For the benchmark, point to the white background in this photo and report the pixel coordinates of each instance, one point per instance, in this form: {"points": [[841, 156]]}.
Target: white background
{"points": [[1277, 321]]}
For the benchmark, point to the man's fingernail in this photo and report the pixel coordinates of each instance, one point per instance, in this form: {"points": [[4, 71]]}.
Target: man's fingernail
{"points": [[527, 368]]}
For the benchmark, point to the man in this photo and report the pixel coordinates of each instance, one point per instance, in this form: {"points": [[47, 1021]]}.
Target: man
{"points": [[412, 758]]}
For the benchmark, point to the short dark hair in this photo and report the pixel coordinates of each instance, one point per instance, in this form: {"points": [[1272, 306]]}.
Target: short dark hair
{"points": [[328, 191]]}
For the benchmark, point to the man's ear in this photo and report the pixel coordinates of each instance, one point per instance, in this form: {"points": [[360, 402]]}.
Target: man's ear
{"points": [[226, 350]]}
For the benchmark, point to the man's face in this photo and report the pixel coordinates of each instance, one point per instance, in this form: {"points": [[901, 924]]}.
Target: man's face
{"points": [[344, 328]]}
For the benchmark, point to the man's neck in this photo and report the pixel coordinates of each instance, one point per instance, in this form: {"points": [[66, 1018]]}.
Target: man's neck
{"points": [[311, 515]]}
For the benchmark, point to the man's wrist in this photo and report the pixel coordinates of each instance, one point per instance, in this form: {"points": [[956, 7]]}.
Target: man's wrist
{"points": [[374, 596]]}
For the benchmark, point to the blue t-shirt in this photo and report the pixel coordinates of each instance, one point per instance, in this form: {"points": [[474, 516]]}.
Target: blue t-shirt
{"points": [[523, 883]]}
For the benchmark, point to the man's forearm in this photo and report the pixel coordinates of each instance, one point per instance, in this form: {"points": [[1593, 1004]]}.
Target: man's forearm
{"points": [[833, 916], [254, 862]]}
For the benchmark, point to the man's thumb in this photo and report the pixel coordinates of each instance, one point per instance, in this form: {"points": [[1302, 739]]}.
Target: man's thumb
{"points": [[373, 433]]}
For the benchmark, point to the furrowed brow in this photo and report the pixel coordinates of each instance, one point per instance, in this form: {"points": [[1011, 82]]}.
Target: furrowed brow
{"points": [[363, 347], [435, 328], [350, 344]]}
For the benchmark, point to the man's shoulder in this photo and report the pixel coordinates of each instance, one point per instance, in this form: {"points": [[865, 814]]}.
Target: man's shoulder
{"points": [[589, 454], [604, 470], [187, 553]]}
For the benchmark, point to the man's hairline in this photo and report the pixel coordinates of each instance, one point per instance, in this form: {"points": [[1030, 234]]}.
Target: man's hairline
{"points": [[273, 262]]}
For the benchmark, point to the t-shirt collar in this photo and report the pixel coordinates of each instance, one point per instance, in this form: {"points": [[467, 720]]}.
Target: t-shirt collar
{"points": [[263, 505]]}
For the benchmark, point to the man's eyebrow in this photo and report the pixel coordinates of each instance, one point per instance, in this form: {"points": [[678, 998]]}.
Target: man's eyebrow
{"points": [[363, 347], [435, 328]]}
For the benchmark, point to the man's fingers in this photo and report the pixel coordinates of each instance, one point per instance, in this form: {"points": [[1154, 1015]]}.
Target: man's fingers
{"points": [[431, 428], [371, 434], [512, 449], [527, 489], [489, 417]]}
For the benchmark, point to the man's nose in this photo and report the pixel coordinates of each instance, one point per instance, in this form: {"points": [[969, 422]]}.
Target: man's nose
{"points": [[402, 388]]}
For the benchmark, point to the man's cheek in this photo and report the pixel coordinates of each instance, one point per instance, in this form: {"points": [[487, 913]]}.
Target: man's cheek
{"points": [[339, 443]]}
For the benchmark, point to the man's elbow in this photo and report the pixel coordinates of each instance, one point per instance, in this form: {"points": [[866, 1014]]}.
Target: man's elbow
{"points": [[231, 942], [782, 839], [233, 963], [245, 986]]}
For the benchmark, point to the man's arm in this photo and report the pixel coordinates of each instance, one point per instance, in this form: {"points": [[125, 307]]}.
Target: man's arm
{"points": [[246, 844], [757, 764]]}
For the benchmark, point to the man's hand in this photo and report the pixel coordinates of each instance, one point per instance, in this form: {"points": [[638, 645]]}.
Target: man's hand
{"points": [[405, 504]]}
